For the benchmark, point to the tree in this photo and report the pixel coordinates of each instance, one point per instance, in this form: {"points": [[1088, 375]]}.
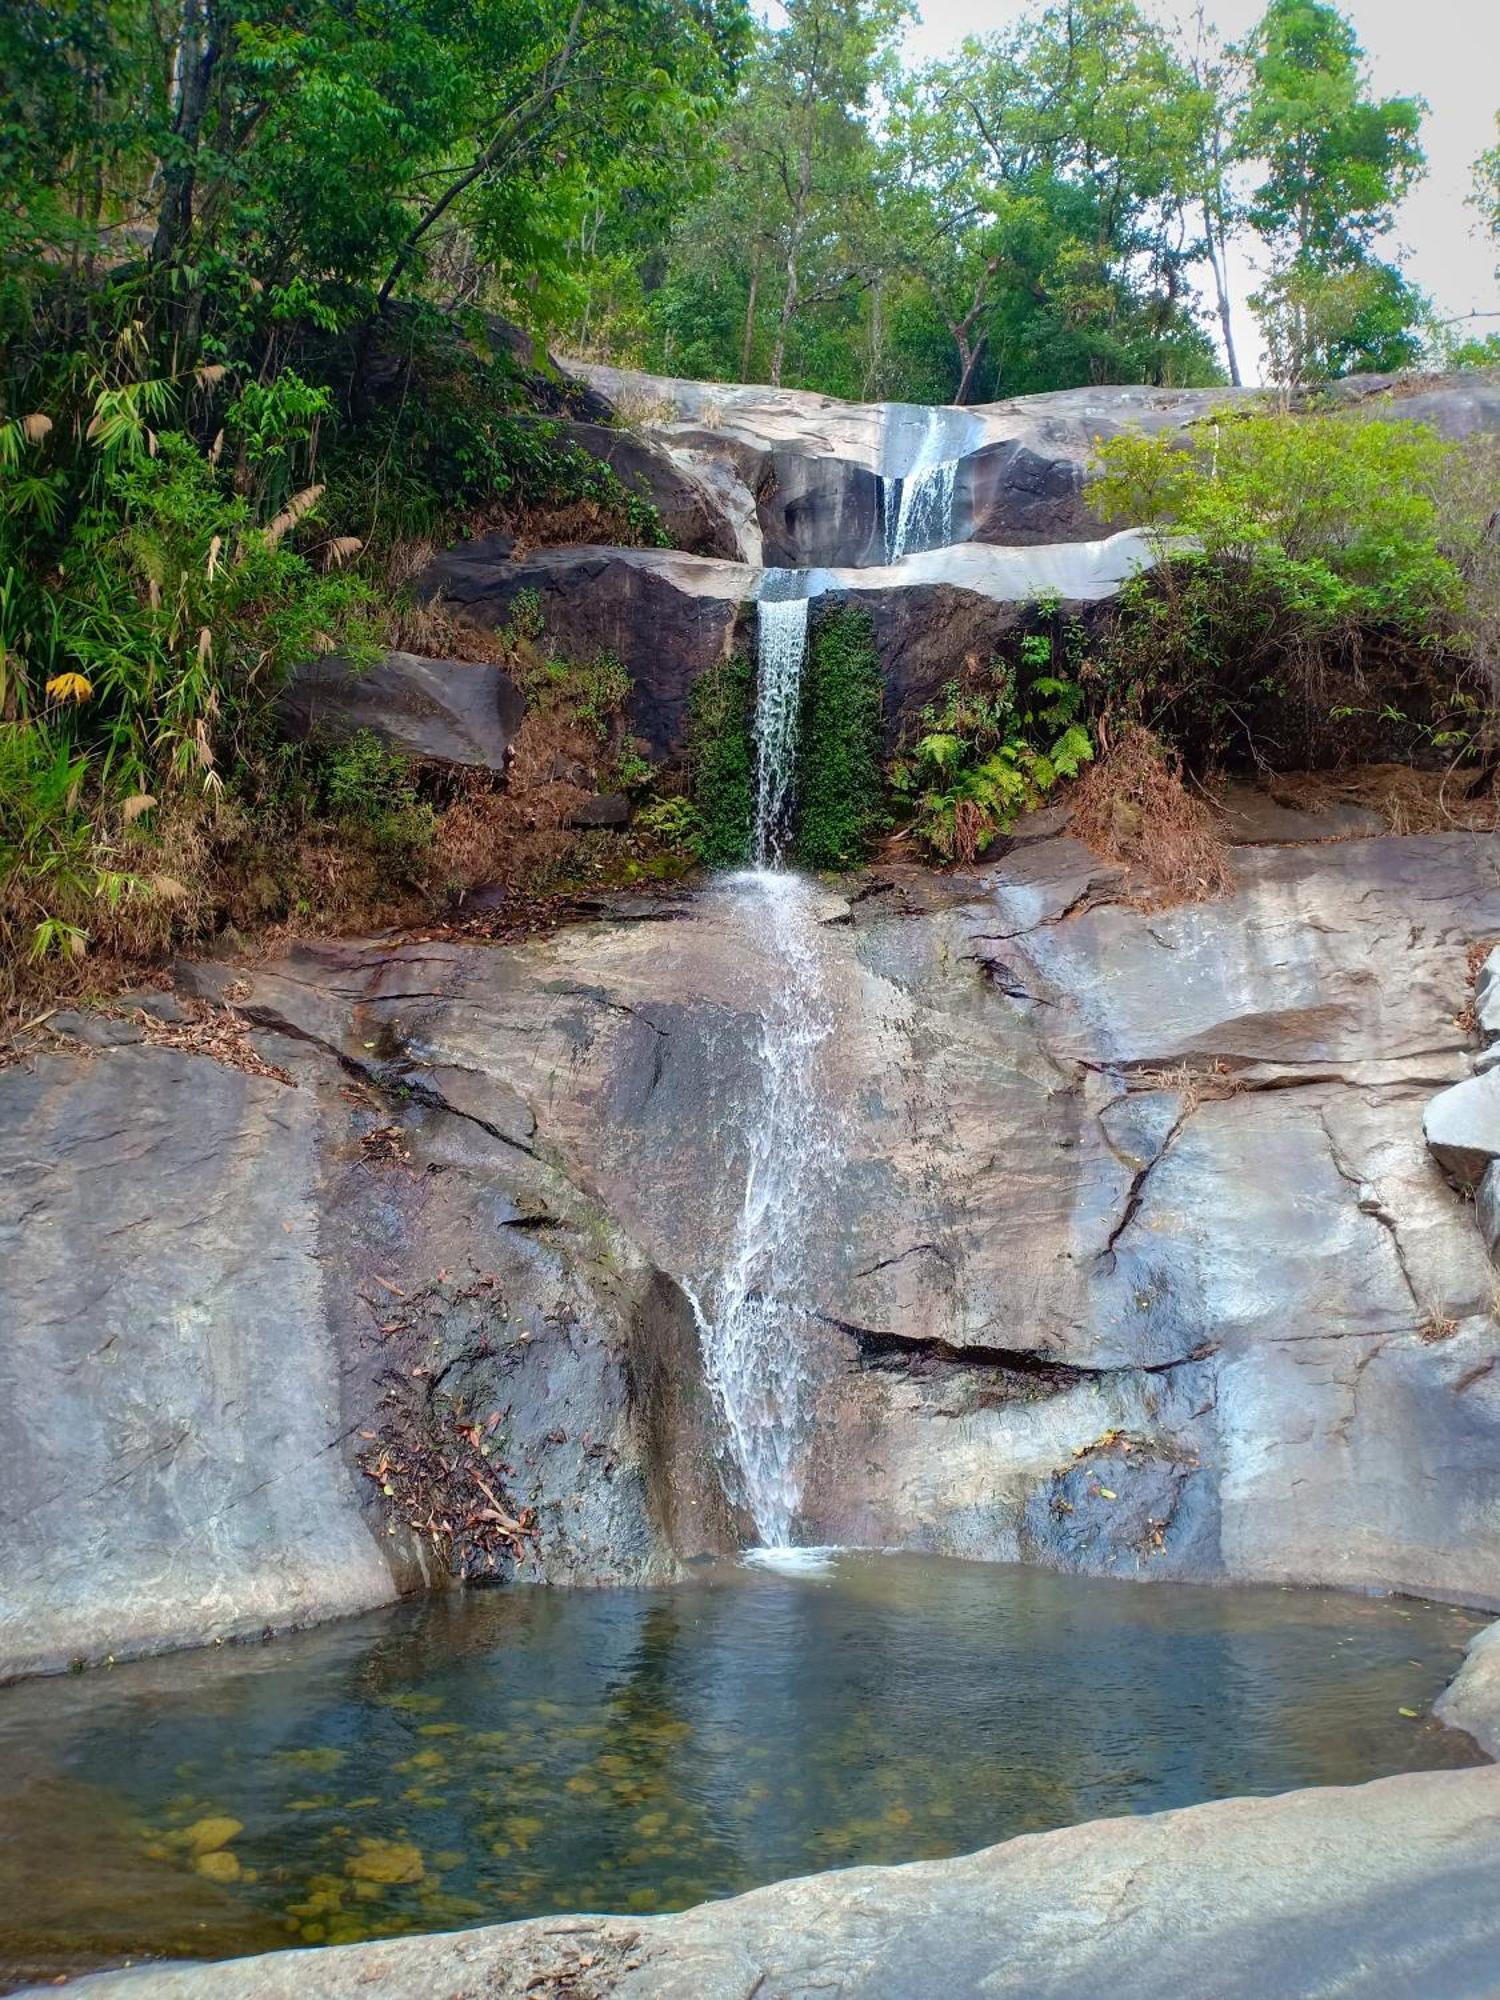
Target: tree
{"points": [[1068, 151], [1486, 195], [805, 140], [1335, 163], [1218, 71]]}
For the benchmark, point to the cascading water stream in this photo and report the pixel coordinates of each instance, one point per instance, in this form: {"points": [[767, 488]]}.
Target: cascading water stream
{"points": [[917, 505], [753, 1321], [759, 1340], [781, 647]]}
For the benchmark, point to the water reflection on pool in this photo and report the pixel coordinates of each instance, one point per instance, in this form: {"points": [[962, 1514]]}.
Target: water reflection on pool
{"points": [[498, 1754]]}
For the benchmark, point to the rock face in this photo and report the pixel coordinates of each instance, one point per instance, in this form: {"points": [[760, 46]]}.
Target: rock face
{"points": [[214, 1282], [1124, 1251], [446, 711], [1130, 1258], [811, 466], [1378, 1892], [697, 511], [1463, 1128], [668, 617]]}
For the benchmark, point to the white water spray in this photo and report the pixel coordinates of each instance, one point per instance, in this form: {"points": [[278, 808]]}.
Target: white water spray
{"points": [[781, 648], [757, 1336]]}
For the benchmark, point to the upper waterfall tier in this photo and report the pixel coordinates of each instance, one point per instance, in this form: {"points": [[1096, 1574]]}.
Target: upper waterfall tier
{"points": [[795, 480]]}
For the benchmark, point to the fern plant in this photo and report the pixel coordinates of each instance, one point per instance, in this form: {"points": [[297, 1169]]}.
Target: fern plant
{"points": [[986, 755]]}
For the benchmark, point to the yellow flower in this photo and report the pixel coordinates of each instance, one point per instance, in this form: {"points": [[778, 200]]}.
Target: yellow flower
{"points": [[70, 687]]}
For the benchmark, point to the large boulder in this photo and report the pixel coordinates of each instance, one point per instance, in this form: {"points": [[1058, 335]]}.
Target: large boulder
{"points": [[666, 617], [697, 513], [1472, 1700], [1463, 1128], [1375, 1892], [815, 466], [442, 711]]}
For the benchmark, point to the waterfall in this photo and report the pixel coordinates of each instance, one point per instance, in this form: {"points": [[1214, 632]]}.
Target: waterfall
{"points": [[781, 647], [919, 510], [917, 506], [754, 1326]]}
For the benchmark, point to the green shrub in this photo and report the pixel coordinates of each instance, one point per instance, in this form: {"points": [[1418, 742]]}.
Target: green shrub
{"points": [[1336, 514], [590, 694], [1303, 583], [989, 752], [369, 792], [839, 791], [721, 760], [674, 824]]}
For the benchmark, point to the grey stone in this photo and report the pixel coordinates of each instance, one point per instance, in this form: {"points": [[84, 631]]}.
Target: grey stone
{"points": [[1487, 1209], [1472, 1699], [95, 1031], [604, 809], [164, 1007], [1250, 815], [449, 711], [205, 1280], [668, 617], [169, 1413], [1385, 1891], [1071, 1133], [1463, 1127], [813, 463], [695, 513]]}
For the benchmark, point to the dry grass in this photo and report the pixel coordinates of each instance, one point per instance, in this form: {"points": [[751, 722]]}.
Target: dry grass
{"points": [[1409, 801], [635, 408], [1132, 806], [435, 632]]}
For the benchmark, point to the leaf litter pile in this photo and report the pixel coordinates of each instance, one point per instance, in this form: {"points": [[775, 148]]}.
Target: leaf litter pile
{"points": [[437, 1462]]}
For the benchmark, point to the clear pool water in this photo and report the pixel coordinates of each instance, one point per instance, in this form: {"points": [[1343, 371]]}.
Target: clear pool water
{"points": [[501, 1754]]}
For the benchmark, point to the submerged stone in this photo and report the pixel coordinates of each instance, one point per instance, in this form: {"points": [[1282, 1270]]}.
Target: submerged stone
{"points": [[387, 1861]]}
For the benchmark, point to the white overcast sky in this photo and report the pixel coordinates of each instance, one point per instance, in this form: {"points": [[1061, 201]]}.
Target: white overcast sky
{"points": [[1447, 51]]}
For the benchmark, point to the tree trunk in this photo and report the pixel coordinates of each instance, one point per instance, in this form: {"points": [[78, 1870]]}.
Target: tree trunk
{"points": [[794, 240], [197, 54], [1218, 259], [875, 359], [788, 308], [748, 341], [969, 360]]}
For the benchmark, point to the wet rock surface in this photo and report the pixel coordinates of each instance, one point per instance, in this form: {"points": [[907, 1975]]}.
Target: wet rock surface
{"points": [[1132, 1257], [810, 464], [669, 617], [1384, 1891]]}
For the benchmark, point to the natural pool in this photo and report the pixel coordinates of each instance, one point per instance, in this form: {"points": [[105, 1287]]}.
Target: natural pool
{"points": [[497, 1754]]}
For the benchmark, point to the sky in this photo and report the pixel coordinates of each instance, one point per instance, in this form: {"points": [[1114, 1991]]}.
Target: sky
{"points": [[1447, 51]]}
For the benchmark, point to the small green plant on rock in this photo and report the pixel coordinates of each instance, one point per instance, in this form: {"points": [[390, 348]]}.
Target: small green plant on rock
{"points": [[369, 791], [839, 802], [987, 753], [721, 761]]}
